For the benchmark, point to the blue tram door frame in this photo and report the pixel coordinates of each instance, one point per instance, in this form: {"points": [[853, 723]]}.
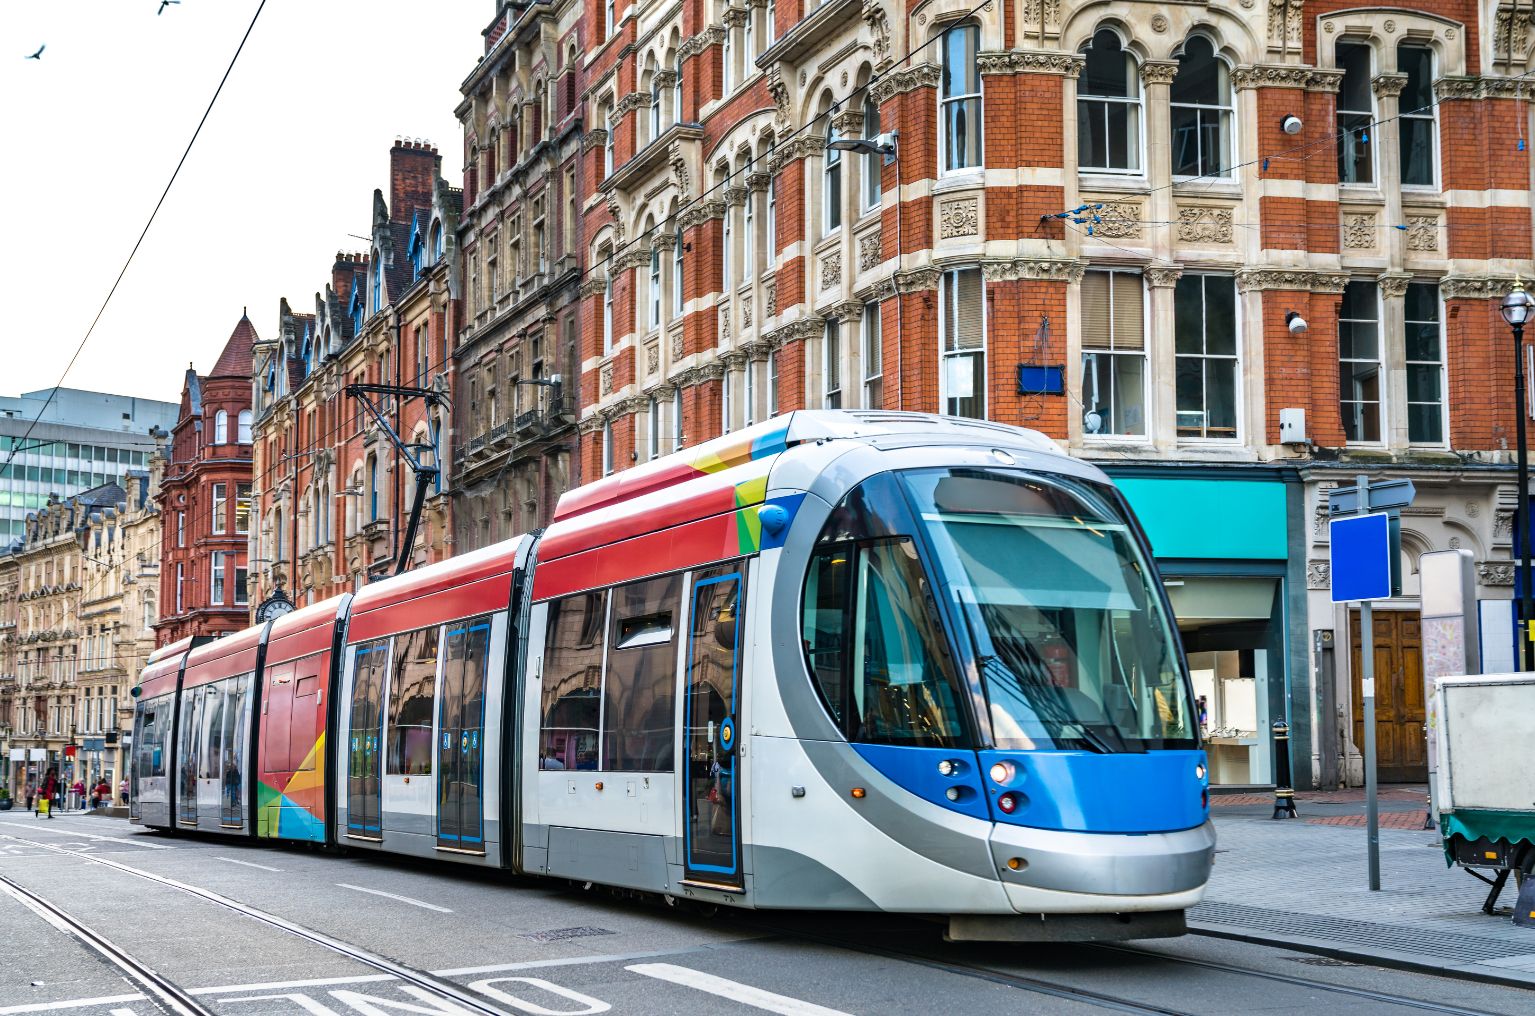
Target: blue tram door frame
{"points": [[465, 747], [731, 873], [364, 746]]}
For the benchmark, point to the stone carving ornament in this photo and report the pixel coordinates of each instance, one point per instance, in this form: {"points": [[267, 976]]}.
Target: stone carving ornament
{"points": [[1204, 225], [959, 218], [1423, 232], [870, 249], [652, 358], [1121, 220], [1318, 575], [1359, 231], [831, 270]]}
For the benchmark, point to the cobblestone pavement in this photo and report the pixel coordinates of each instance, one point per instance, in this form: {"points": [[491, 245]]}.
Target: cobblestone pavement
{"points": [[1305, 884]]}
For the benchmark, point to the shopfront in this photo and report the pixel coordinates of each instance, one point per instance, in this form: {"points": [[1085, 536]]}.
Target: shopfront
{"points": [[1221, 537]]}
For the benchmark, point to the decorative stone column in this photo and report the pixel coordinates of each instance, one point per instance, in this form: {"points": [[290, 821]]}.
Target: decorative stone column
{"points": [[1388, 92], [1161, 356], [1156, 79]]}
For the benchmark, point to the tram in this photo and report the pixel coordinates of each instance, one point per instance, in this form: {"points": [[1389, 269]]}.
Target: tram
{"points": [[861, 661]]}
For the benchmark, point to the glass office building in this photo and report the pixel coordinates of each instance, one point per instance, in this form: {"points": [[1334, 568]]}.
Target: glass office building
{"points": [[80, 440]]}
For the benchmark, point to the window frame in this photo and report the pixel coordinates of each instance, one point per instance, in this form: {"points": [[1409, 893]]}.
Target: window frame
{"points": [[1379, 360], [947, 279], [1138, 147], [831, 364], [220, 495], [1369, 115], [678, 247], [221, 427], [872, 193], [1147, 411], [217, 578], [945, 143], [1431, 118], [1442, 363], [872, 353], [1239, 423], [607, 313], [1229, 135], [831, 184]]}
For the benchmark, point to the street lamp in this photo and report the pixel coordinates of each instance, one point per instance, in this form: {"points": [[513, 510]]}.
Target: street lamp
{"points": [[1516, 309]]}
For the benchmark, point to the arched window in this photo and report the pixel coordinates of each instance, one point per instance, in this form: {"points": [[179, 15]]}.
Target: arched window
{"points": [[378, 281], [872, 164], [437, 242], [244, 427], [771, 226], [1109, 108], [1418, 123], [1201, 110], [749, 234], [607, 142], [221, 427], [831, 184], [959, 97]]}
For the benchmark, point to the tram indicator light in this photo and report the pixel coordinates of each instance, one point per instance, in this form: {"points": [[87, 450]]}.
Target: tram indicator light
{"points": [[1008, 803], [859, 792]]}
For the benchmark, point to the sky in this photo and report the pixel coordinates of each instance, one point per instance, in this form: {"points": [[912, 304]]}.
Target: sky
{"points": [[283, 171]]}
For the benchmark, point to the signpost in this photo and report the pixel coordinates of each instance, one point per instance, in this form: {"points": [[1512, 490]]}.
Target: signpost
{"points": [[1364, 535]]}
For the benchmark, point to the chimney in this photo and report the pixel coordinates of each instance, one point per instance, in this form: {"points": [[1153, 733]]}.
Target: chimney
{"points": [[413, 167]]}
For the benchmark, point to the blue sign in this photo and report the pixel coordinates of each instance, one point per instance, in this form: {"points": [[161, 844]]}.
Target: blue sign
{"points": [[1361, 557]]}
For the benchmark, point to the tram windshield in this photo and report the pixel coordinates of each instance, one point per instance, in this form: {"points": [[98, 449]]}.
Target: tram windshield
{"points": [[1074, 647]]}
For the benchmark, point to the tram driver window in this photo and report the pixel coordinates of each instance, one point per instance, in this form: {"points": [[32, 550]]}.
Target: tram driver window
{"points": [[871, 631], [572, 682], [411, 705]]}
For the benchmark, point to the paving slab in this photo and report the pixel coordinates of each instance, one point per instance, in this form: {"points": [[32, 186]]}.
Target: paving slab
{"points": [[1303, 883]]}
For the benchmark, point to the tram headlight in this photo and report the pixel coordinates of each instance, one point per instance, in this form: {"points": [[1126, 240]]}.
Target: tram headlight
{"points": [[1199, 771], [1003, 772], [952, 793], [948, 767]]}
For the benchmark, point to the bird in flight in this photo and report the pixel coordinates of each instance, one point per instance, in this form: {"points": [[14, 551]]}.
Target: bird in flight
{"points": [[166, 3], [39, 54]]}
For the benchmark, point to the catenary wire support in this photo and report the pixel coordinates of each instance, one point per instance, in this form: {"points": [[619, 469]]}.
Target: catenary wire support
{"points": [[425, 474]]}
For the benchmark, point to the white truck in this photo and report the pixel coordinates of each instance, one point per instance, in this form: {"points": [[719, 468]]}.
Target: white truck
{"points": [[1485, 790]]}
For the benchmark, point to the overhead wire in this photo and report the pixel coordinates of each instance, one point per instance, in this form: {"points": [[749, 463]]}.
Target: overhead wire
{"points": [[80, 347]]}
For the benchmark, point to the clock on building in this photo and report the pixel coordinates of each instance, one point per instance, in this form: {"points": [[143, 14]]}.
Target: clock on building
{"points": [[274, 606]]}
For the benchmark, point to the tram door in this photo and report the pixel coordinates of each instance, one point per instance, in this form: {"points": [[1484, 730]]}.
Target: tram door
{"points": [[364, 786], [187, 754], [461, 746], [711, 711]]}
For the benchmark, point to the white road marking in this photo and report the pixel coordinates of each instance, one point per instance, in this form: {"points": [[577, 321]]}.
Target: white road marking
{"points": [[394, 896], [121, 1012], [733, 990], [15, 1010], [248, 864], [137, 841], [313, 982]]}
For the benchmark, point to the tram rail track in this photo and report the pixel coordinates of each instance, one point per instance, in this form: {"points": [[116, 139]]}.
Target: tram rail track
{"points": [[1294, 980], [157, 987], [409, 975]]}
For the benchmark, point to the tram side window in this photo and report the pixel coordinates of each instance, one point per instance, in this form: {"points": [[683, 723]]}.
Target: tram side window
{"points": [[149, 745], [212, 732], [572, 682], [637, 714], [870, 628], [412, 699]]}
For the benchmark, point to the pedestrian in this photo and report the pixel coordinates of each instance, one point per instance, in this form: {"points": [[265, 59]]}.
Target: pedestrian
{"points": [[31, 795], [50, 791], [102, 795], [122, 791], [77, 794]]}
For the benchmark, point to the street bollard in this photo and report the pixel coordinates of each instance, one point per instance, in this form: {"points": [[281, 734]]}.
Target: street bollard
{"points": [[1284, 796]]}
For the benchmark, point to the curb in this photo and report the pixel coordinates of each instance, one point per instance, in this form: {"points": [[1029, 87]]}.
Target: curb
{"points": [[1479, 972]]}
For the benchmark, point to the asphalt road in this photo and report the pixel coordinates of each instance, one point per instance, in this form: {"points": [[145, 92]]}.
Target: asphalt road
{"points": [[411, 938]]}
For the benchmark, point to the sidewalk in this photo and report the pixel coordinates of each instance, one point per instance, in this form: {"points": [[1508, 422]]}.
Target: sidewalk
{"points": [[1303, 883]]}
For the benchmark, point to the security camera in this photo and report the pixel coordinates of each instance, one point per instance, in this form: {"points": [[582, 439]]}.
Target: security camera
{"points": [[1290, 125], [1296, 322]]}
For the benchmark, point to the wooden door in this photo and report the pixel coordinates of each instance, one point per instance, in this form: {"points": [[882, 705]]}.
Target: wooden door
{"points": [[1401, 755]]}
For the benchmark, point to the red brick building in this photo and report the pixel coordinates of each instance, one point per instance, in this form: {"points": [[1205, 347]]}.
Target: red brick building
{"points": [[1098, 222], [333, 492], [204, 480]]}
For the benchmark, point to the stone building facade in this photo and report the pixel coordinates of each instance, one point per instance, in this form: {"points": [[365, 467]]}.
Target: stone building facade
{"points": [[1098, 221], [46, 643], [203, 482], [332, 490], [517, 361]]}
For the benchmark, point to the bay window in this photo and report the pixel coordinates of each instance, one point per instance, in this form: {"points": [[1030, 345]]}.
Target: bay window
{"points": [[959, 96]]}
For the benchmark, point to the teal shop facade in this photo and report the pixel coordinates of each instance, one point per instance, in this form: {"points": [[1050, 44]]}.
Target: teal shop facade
{"points": [[1229, 542]]}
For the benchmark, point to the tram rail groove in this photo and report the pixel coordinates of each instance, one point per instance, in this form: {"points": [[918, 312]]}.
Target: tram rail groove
{"points": [[1304, 982], [157, 987], [409, 975]]}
